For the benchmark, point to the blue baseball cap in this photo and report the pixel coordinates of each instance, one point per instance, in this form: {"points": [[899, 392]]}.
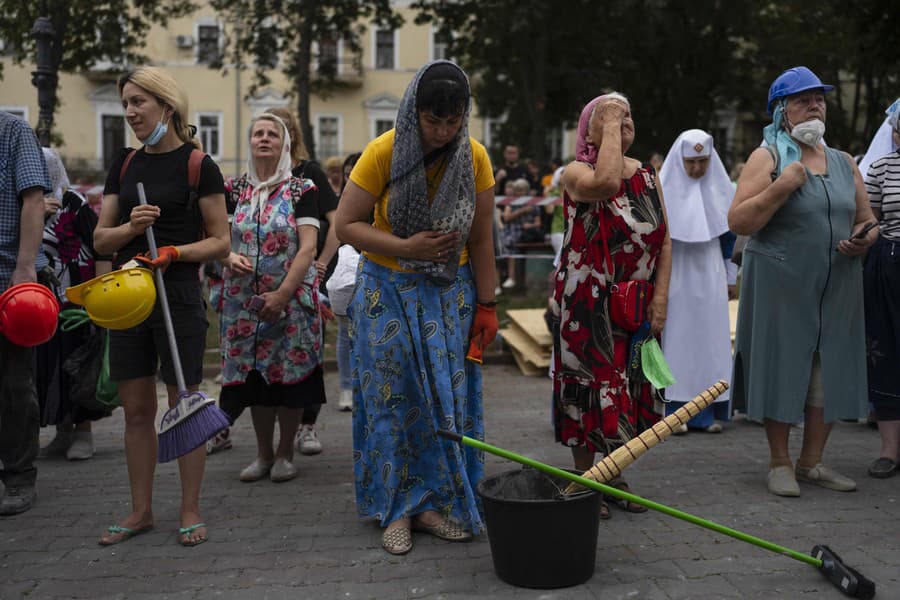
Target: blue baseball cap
{"points": [[794, 81]]}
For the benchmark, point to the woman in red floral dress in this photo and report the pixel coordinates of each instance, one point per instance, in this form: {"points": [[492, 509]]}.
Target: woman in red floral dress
{"points": [[615, 231]]}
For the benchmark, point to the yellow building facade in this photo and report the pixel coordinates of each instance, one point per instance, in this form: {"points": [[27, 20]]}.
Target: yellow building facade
{"points": [[90, 118]]}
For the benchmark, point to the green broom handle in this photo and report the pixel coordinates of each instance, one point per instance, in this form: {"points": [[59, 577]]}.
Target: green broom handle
{"points": [[606, 489]]}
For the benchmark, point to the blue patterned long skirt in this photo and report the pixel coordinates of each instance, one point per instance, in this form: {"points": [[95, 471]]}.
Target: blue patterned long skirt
{"points": [[408, 341]]}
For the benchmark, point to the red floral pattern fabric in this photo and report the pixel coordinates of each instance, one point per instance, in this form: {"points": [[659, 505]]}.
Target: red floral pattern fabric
{"points": [[596, 405]]}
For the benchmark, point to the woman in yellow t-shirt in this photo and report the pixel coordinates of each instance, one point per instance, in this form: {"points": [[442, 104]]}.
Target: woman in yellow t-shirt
{"points": [[424, 294]]}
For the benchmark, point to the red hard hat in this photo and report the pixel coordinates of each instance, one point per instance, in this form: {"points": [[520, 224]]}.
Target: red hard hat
{"points": [[28, 314]]}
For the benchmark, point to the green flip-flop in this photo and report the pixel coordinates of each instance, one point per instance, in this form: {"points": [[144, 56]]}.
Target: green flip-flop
{"points": [[129, 533], [188, 531]]}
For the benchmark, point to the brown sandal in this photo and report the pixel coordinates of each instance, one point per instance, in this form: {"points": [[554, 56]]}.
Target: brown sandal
{"points": [[604, 511], [626, 505]]}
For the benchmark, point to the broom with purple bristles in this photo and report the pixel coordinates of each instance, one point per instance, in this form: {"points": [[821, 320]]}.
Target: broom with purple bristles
{"points": [[195, 418]]}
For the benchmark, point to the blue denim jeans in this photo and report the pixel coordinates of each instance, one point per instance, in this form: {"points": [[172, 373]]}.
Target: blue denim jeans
{"points": [[342, 348]]}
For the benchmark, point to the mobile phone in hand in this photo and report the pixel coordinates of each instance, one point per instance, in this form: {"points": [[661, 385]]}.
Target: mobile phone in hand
{"points": [[862, 232], [256, 304]]}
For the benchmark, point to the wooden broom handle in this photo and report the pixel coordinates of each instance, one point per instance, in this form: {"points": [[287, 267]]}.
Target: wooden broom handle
{"points": [[612, 466]]}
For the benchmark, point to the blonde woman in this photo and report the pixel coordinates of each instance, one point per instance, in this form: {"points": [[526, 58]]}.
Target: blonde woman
{"points": [[156, 109]]}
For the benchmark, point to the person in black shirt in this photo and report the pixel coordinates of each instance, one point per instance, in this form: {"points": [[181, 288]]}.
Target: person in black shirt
{"points": [[190, 229], [511, 170]]}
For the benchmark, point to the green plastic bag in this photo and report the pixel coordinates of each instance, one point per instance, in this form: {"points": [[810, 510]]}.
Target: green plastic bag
{"points": [[654, 365], [107, 390]]}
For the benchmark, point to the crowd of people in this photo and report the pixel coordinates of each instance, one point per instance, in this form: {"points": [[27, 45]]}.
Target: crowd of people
{"points": [[398, 245]]}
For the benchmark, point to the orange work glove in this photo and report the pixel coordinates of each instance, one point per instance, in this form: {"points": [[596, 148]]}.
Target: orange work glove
{"points": [[484, 330], [325, 310], [166, 255]]}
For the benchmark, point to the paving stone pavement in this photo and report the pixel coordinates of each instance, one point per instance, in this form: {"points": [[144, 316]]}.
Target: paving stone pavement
{"points": [[303, 540]]}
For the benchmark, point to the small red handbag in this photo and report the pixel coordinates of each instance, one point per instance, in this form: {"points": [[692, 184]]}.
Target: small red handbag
{"points": [[628, 300], [628, 303]]}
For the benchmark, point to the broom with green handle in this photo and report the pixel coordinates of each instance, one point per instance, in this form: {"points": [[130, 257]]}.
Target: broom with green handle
{"points": [[195, 418], [848, 580], [612, 466]]}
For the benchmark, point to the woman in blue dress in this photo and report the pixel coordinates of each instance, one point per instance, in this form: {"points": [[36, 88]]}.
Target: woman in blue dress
{"points": [[425, 289]]}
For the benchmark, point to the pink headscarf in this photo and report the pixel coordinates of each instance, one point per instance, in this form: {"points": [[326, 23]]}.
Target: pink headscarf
{"points": [[584, 150]]}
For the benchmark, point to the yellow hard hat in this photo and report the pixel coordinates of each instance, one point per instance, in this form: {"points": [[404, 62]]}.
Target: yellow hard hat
{"points": [[118, 300]]}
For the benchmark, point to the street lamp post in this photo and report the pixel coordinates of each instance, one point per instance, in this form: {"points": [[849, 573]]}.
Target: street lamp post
{"points": [[44, 78]]}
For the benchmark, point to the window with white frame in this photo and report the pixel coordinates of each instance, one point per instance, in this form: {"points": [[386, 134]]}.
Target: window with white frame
{"points": [[385, 49], [209, 130], [440, 45], [381, 110], [16, 111], [208, 50], [491, 132], [112, 130], [328, 135], [382, 125], [328, 55]]}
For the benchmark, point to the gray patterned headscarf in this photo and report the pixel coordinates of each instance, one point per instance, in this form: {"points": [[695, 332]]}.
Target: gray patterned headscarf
{"points": [[453, 207]]}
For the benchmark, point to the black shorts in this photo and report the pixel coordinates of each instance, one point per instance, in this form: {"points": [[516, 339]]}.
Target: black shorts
{"points": [[137, 352]]}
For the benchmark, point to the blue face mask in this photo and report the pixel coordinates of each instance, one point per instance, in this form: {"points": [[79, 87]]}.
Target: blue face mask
{"points": [[159, 132]]}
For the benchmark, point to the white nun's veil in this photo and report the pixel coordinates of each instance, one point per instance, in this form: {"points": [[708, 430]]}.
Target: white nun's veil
{"points": [[883, 142], [697, 208]]}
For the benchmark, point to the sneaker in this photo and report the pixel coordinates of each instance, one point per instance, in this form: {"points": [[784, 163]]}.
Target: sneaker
{"points": [[716, 427], [307, 442], [221, 441], [282, 470], [681, 429], [82, 447], [17, 499], [498, 290], [781, 482], [58, 446], [509, 283], [258, 469], [345, 402], [825, 477]]}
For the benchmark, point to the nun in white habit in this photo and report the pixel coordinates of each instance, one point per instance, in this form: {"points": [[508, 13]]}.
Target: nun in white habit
{"points": [[696, 340], [884, 142]]}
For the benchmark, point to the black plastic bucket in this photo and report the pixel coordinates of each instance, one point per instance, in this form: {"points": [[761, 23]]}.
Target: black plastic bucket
{"points": [[540, 538]]}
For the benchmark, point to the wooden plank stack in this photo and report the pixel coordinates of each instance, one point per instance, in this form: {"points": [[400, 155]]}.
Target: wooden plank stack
{"points": [[529, 340]]}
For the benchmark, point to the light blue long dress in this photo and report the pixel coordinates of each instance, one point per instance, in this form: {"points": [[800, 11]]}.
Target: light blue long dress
{"points": [[800, 296]]}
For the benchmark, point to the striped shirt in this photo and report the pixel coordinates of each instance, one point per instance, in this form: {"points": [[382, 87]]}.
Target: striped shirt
{"points": [[883, 187]]}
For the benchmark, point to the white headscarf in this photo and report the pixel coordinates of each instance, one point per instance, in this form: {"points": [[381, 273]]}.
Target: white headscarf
{"points": [[697, 208], [261, 189], [58, 176], [883, 142]]}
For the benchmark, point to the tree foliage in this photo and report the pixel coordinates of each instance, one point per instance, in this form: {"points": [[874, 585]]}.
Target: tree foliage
{"points": [[86, 32], [538, 64], [280, 33], [679, 62], [850, 45]]}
